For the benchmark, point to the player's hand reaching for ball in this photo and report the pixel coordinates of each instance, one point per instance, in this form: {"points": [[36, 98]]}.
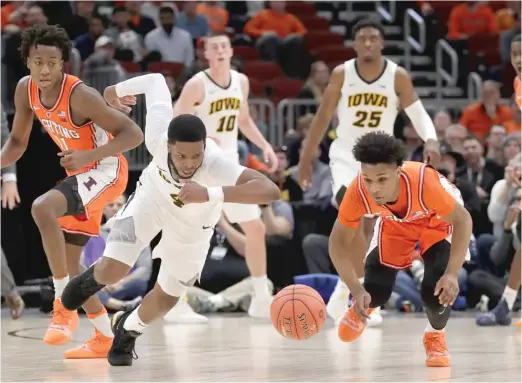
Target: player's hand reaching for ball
{"points": [[432, 153], [362, 304], [121, 103], [447, 289], [192, 192], [73, 160]]}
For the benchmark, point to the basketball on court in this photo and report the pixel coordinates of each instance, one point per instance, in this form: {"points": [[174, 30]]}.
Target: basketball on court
{"points": [[298, 312]]}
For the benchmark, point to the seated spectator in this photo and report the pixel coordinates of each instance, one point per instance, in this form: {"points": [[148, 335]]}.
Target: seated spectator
{"points": [[278, 34], [505, 18], [173, 43], [85, 43], [13, 16], [127, 293], [513, 126], [513, 15], [495, 140], [314, 86], [199, 64], [469, 18], [139, 22], [441, 120], [103, 56], [216, 15], [413, 144], [293, 140], [455, 136], [128, 43], [193, 23], [478, 118], [79, 24]]}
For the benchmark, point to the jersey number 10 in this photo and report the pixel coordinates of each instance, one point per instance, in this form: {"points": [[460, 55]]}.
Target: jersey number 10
{"points": [[367, 119], [226, 124]]}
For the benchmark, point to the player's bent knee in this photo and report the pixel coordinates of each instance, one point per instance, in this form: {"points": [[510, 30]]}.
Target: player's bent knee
{"points": [[48, 206], [109, 270]]}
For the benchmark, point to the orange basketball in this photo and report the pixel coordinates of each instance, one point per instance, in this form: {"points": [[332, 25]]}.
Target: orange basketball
{"points": [[298, 312]]}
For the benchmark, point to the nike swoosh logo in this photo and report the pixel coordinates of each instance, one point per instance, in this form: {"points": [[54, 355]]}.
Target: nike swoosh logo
{"points": [[206, 227]]}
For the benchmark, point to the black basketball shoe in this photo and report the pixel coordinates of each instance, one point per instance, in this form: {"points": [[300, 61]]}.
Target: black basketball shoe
{"points": [[122, 351]]}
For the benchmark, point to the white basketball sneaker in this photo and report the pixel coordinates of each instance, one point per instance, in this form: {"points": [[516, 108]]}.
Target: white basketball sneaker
{"points": [[375, 318], [260, 306], [182, 313], [338, 303]]}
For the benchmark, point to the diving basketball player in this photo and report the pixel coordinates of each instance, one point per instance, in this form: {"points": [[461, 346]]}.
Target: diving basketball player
{"points": [[367, 92], [181, 193], [219, 97], [414, 204], [91, 137]]}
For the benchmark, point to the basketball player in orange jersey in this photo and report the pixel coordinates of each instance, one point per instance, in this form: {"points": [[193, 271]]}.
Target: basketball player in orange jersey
{"points": [[409, 202], [91, 137]]}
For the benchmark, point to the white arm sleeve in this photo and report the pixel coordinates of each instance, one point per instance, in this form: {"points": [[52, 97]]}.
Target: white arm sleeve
{"points": [[497, 210], [159, 105], [421, 121]]}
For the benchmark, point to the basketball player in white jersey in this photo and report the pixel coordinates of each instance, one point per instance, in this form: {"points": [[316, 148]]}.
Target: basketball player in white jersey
{"points": [[180, 193], [367, 93], [219, 97]]}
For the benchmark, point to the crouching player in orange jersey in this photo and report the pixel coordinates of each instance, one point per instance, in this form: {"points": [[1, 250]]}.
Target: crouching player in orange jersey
{"points": [[407, 202]]}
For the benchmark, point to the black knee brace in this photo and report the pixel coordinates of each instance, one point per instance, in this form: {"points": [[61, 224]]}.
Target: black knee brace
{"points": [[339, 195], [379, 293], [438, 315]]}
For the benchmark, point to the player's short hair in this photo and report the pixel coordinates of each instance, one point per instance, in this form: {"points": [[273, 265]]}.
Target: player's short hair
{"points": [[379, 148], [48, 35], [214, 34], [186, 128], [367, 23]]}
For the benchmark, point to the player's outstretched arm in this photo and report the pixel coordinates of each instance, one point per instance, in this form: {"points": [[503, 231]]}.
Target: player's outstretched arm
{"points": [[87, 103], [319, 125], [157, 99], [16, 144], [249, 128]]}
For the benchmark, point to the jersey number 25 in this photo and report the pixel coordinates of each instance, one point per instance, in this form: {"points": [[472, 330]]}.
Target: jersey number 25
{"points": [[367, 119]]}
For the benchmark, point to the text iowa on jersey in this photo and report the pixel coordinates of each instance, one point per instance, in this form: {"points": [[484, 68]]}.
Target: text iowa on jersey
{"points": [[229, 103]]}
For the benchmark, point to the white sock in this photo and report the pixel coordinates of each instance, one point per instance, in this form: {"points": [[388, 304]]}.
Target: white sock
{"points": [[510, 296], [59, 286], [341, 286], [361, 280], [260, 285], [134, 323], [102, 323], [431, 329]]}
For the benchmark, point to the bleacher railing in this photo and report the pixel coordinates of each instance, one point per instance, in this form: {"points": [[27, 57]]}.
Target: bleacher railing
{"points": [[474, 86], [410, 16], [288, 112], [442, 47], [387, 13]]}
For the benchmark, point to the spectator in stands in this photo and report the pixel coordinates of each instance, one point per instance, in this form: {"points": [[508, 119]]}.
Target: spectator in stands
{"points": [[505, 17], [274, 29], [469, 18], [171, 83], [478, 118], [103, 56], [13, 16], [12, 59], [194, 23], [413, 144], [127, 293], [85, 43], [455, 136], [173, 43], [261, 125], [128, 43], [139, 22], [79, 24], [495, 147], [513, 126], [199, 64], [442, 121], [510, 28], [57, 12], [313, 88], [216, 15]]}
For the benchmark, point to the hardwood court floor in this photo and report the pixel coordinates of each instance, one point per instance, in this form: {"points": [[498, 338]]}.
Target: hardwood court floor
{"points": [[238, 348]]}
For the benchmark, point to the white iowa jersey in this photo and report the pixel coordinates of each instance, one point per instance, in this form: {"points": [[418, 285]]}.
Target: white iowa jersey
{"points": [[365, 107], [220, 111]]}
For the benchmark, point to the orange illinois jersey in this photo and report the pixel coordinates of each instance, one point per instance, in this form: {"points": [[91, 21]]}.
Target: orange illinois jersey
{"points": [[425, 197], [516, 86], [58, 122]]}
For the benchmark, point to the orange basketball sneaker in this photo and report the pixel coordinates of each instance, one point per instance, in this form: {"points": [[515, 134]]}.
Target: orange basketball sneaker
{"points": [[62, 325], [96, 347], [351, 327], [437, 354], [519, 323]]}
